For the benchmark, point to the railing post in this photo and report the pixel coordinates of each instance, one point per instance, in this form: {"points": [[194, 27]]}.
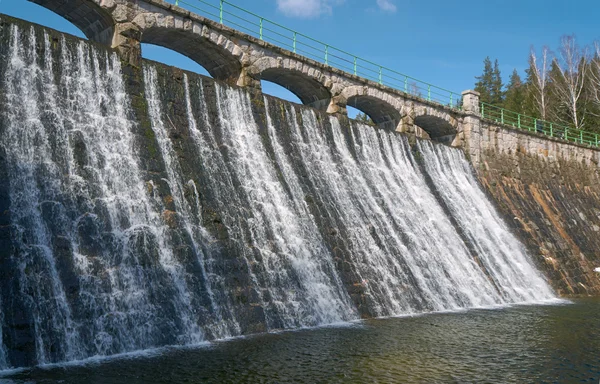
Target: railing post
{"points": [[295, 33], [534, 125], [221, 11], [326, 54], [450, 99], [551, 130], [567, 133], [380, 76], [482, 111], [177, 2], [354, 65], [405, 84], [261, 28], [596, 139], [519, 121], [581, 137], [502, 115], [428, 92]]}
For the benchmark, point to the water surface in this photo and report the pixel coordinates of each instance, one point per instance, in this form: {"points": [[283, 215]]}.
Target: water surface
{"points": [[550, 343]]}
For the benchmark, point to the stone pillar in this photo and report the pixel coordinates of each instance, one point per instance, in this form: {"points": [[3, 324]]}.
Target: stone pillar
{"points": [[126, 40], [471, 127], [470, 101], [337, 105]]}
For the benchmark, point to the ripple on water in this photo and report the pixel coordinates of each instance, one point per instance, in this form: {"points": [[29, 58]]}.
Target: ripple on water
{"points": [[552, 343]]}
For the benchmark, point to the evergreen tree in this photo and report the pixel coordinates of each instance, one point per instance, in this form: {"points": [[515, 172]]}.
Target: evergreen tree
{"points": [[515, 95], [484, 82], [496, 94], [489, 84]]}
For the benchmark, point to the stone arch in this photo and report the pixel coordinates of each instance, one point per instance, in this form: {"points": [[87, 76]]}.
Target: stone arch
{"points": [[215, 52], [90, 16], [439, 125], [306, 82], [384, 109]]}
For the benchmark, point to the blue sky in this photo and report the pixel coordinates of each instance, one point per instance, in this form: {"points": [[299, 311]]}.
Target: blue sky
{"points": [[441, 42]]}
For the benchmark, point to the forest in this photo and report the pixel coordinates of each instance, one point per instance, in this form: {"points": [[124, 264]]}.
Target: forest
{"points": [[561, 86]]}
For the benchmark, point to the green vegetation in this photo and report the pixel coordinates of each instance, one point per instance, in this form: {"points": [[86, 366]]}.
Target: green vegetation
{"points": [[364, 118], [489, 84], [562, 86]]}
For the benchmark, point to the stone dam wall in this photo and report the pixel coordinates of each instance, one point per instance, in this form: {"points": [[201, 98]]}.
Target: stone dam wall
{"points": [[549, 191]]}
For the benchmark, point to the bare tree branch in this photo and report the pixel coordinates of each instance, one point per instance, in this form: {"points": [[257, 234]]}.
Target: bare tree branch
{"points": [[595, 78], [572, 64], [540, 78]]}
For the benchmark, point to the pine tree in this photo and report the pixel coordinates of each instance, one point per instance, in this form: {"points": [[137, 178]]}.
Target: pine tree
{"points": [[514, 99], [496, 94], [485, 81], [489, 84]]}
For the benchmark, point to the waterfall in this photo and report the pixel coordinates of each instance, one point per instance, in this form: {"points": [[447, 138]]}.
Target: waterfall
{"points": [[378, 199], [148, 209], [501, 255], [81, 214], [290, 267], [34, 187], [221, 324]]}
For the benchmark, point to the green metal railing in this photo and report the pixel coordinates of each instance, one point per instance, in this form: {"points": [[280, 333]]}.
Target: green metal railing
{"points": [[255, 25], [532, 124]]}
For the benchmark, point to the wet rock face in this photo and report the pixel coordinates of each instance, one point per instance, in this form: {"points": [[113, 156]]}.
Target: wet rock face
{"points": [[555, 209]]}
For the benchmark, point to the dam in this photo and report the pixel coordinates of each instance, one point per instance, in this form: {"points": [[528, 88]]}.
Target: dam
{"points": [[145, 206]]}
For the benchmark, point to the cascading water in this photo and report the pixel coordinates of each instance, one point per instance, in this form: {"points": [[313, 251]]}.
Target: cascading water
{"points": [[95, 270], [34, 187], [380, 199], [502, 256], [289, 265], [207, 221], [220, 324]]}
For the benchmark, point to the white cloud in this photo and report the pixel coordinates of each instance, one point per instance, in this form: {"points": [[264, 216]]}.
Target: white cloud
{"points": [[387, 5], [306, 8]]}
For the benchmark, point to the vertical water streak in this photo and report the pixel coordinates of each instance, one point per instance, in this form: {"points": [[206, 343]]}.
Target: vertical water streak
{"points": [[502, 255], [225, 321], [321, 278], [32, 182], [191, 222]]}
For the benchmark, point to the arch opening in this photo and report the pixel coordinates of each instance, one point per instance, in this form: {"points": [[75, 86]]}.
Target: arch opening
{"points": [[173, 58], [276, 90], [357, 115], [309, 91], [380, 112], [89, 17], [437, 128], [217, 62]]}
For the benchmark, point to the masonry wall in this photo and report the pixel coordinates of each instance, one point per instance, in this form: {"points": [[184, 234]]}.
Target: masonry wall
{"points": [[549, 191]]}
